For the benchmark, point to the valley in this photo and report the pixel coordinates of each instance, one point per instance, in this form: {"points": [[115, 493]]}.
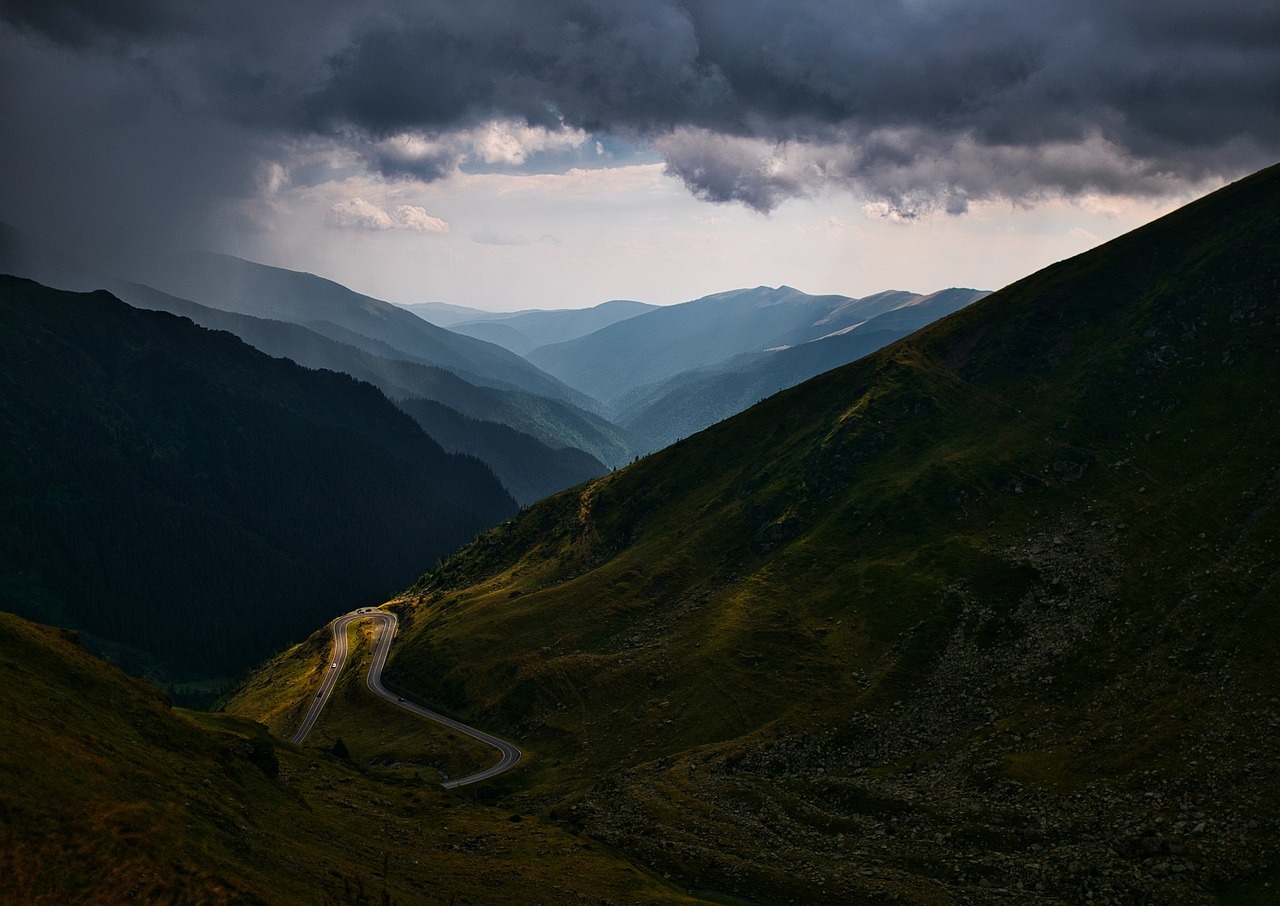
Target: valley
{"points": [[986, 616], [639, 453], [509, 755], [111, 796]]}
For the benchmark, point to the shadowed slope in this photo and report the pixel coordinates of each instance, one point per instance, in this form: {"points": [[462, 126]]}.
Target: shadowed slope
{"points": [[174, 491], [993, 609], [111, 796]]}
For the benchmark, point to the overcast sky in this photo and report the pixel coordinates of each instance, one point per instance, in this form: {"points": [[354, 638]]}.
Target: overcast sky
{"points": [[509, 154]]}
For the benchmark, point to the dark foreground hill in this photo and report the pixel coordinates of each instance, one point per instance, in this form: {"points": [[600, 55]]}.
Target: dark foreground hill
{"points": [[111, 796], [989, 616], [193, 504]]}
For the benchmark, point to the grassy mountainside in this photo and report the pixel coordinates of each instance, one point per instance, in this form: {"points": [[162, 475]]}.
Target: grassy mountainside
{"points": [[173, 491], [988, 616], [111, 796]]}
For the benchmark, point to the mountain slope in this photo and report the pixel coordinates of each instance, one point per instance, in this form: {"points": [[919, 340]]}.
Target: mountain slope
{"points": [[692, 400], [530, 470], [524, 332], [232, 284], [987, 616], [555, 423], [446, 314], [666, 341], [111, 796], [173, 491]]}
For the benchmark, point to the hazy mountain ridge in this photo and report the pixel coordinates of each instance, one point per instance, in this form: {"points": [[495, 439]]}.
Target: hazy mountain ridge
{"points": [[176, 492], [529, 469], [321, 344], [990, 613], [649, 414], [233, 284], [668, 340], [524, 332], [685, 404], [446, 314], [629, 361]]}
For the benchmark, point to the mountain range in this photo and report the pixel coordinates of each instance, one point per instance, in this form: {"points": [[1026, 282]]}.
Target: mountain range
{"points": [[667, 410], [331, 309], [662, 373], [550, 430], [192, 504], [986, 616], [524, 331], [731, 350]]}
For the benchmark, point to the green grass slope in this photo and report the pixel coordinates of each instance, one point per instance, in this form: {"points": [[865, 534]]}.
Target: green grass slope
{"points": [[988, 616], [111, 796]]}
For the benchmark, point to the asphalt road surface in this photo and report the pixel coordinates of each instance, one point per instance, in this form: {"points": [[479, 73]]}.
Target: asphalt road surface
{"points": [[387, 623]]}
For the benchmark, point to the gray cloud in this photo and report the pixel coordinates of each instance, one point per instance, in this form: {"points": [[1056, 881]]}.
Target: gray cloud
{"points": [[489, 236], [917, 104]]}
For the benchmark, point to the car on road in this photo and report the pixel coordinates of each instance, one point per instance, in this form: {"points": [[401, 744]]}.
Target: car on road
{"points": [[400, 699]]}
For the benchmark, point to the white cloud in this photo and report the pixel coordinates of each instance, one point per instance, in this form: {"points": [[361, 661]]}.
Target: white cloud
{"points": [[413, 217], [358, 214], [438, 155], [511, 143]]}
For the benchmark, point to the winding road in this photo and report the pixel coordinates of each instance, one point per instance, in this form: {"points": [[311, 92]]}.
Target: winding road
{"points": [[510, 754]]}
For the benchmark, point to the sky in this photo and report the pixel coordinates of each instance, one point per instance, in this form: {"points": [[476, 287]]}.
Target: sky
{"points": [[505, 154]]}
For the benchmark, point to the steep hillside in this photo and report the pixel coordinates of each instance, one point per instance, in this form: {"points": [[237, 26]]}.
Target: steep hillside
{"points": [[111, 796], [177, 493], [987, 616], [530, 470]]}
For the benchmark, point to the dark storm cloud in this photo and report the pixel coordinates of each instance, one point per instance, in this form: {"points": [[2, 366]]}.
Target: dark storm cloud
{"points": [[908, 97], [921, 104], [81, 23]]}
